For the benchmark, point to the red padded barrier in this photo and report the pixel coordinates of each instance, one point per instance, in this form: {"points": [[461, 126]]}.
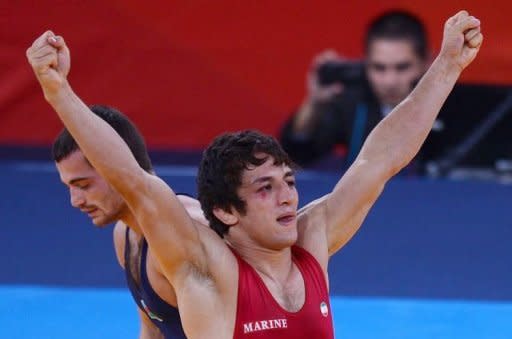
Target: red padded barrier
{"points": [[185, 71]]}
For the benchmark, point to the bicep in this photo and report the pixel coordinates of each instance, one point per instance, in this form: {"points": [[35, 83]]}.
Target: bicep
{"points": [[349, 203], [339, 236], [169, 230]]}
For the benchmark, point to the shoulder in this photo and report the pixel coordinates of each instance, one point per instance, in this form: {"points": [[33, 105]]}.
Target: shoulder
{"points": [[119, 241]]}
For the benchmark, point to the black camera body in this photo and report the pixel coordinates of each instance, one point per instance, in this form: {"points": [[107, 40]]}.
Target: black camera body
{"points": [[346, 73]]}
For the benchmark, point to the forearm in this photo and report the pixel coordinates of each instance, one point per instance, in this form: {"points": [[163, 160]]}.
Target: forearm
{"points": [[397, 138], [304, 149], [309, 116], [322, 133], [98, 141], [304, 119]]}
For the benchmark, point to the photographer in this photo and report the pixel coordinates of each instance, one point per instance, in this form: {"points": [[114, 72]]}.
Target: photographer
{"points": [[346, 100]]}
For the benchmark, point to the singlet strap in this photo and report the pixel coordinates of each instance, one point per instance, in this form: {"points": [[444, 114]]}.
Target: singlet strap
{"points": [[127, 248]]}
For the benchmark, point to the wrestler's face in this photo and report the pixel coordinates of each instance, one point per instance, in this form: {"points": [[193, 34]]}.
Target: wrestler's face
{"points": [[271, 199], [88, 191], [392, 68]]}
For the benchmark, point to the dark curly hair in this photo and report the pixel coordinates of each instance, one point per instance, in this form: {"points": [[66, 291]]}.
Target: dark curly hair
{"points": [[221, 168]]}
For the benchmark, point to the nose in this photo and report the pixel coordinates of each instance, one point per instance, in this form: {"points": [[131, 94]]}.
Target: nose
{"points": [[76, 197], [286, 194], [389, 77]]}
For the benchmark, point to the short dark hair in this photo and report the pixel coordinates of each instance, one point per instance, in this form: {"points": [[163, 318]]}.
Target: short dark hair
{"points": [[65, 144], [222, 166], [398, 25]]}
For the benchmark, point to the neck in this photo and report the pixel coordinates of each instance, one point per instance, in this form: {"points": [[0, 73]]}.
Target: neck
{"points": [[274, 264], [130, 221]]}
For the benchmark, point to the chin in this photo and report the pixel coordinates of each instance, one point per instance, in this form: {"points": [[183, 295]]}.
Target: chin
{"points": [[286, 240], [394, 100], [101, 222]]}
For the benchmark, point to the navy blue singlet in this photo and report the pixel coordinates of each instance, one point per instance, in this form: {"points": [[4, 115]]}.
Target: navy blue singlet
{"points": [[166, 317]]}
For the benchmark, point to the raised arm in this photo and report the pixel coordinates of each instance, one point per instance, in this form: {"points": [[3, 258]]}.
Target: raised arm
{"points": [[166, 225], [396, 139]]}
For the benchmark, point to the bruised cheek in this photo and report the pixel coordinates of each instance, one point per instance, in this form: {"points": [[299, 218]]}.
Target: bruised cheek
{"points": [[262, 194], [260, 201]]}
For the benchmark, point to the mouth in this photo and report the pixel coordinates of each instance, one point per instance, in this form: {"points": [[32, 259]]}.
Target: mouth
{"points": [[393, 96], [286, 219], [90, 212]]}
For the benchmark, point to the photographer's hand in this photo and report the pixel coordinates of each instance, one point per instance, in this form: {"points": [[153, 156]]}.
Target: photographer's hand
{"points": [[317, 94]]}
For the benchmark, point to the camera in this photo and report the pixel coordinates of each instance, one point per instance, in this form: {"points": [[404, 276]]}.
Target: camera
{"points": [[347, 73]]}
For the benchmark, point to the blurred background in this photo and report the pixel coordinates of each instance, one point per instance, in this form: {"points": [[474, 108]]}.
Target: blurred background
{"points": [[433, 258]]}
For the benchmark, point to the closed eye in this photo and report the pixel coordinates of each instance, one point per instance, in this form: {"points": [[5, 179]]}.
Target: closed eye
{"points": [[83, 187], [82, 183]]}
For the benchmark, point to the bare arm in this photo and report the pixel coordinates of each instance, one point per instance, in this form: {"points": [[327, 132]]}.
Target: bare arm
{"points": [[147, 329], [396, 139], [166, 225]]}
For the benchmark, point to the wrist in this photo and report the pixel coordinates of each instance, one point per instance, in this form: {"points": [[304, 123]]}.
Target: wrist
{"points": [[55, 94], [447, 66]]}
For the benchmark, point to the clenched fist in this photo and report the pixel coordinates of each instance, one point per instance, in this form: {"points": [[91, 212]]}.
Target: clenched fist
{"points": [[461, 40], [50, 60]]}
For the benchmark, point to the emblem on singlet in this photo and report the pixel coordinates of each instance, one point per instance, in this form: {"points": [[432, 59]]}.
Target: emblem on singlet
{"points": [[324, 309], [149, 313]]}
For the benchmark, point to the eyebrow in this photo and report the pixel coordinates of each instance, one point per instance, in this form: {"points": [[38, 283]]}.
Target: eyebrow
{"points": [[261, 180]]}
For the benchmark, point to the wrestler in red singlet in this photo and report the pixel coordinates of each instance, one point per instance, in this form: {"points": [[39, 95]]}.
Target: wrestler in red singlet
{"points": [[260, 316]]}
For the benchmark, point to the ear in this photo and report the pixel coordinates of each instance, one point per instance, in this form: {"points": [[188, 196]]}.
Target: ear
{"points": [[227, 217]]}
